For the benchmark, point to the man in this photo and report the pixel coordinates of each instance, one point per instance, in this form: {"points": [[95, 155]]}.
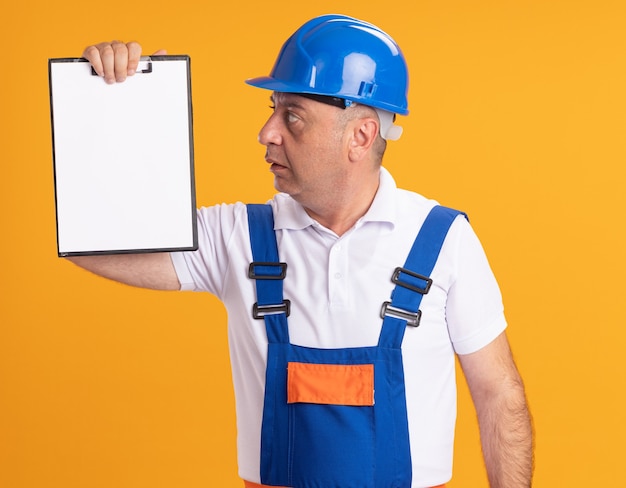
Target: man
{"points": [[330, 391]]}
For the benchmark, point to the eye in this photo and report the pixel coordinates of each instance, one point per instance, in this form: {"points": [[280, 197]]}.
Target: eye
{"points": [[291, 117]]}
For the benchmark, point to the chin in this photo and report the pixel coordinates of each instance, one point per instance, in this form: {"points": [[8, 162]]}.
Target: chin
{"points": [[279, 185]]}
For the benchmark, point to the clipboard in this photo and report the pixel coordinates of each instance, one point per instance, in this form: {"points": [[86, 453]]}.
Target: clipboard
{"points": [[123, 158]]}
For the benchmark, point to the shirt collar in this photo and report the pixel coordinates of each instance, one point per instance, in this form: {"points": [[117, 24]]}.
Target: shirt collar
{"points": [[383, 208], [289, 214]]}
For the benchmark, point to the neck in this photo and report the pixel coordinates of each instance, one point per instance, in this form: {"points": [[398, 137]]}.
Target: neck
{"points": [[342, 211]]}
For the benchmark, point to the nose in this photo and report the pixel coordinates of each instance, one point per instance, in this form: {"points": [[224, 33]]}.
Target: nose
{"points": [[270, 132]]}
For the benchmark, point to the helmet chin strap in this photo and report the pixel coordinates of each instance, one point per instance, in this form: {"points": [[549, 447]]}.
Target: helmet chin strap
{"points": [[388, 130]]}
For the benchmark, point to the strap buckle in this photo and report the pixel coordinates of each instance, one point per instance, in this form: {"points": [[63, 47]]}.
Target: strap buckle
{"points": [[412, 318], [267, 271], [395, 278], [260, 311]]}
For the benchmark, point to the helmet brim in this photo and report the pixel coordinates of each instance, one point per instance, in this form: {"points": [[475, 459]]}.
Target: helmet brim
{"points": [[269, 83]]}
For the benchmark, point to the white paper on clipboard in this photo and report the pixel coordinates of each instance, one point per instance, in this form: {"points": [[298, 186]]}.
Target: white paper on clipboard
{"points": [[123, 158]]}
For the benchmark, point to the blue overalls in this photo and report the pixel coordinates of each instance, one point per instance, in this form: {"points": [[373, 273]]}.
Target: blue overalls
{"points": [[337, 418]]}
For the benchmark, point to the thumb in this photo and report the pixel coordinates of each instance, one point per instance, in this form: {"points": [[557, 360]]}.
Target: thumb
{"points": [[160, 52]]}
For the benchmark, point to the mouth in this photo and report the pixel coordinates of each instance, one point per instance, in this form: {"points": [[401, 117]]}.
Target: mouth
{"points": [[275, 166]]}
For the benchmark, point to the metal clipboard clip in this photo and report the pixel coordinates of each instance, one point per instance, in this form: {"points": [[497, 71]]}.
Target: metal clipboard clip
{"points": [[145, 66]]}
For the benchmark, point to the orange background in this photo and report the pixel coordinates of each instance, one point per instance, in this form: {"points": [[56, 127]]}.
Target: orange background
{"points": [[518, 118]]}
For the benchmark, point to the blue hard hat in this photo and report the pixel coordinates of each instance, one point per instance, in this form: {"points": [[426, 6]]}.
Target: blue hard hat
{"points": [[343, 57]]}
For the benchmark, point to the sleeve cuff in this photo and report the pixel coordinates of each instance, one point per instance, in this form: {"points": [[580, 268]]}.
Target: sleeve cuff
{"points": [[182, 271], [481, 339]]}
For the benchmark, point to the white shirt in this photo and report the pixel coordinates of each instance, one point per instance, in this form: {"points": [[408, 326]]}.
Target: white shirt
{"points": [[337, 286]]}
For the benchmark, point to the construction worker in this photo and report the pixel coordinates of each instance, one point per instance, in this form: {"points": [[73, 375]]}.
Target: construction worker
{"points": [[348, 299]]}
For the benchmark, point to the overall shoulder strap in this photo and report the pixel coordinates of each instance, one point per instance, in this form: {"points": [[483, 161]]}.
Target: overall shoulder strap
{"points": [[413, 279], [268, 273]]}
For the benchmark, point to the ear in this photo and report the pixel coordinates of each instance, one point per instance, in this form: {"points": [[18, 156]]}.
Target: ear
{"points": [[363, 133]]}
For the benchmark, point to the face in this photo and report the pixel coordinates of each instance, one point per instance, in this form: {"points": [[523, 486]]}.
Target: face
{"points": [[306, 148]]}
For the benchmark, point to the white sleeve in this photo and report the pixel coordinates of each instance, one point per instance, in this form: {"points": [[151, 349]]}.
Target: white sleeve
{"points": [[474, 309], [206, 268]]}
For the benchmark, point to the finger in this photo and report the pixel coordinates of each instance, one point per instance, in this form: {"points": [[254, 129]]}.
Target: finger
{"points": [[120, 60], [160, 52], [134, 55], [107, 58], [92, 54]]}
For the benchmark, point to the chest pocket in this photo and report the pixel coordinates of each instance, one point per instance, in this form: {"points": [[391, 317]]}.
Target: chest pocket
{"points": [[332, 384]]}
